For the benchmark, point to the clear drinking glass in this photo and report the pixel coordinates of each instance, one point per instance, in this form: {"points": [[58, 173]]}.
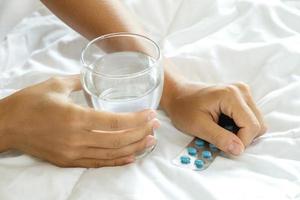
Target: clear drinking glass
{"points": [[122, 72]]}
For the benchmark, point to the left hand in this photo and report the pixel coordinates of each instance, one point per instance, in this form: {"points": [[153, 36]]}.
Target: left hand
{"points": [[195, 109]]}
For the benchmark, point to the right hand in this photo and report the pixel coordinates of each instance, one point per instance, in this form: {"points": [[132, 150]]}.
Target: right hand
{"points": [[42, 121]]}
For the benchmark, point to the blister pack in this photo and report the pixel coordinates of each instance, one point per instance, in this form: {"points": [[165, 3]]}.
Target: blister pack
{"points": [[199, 154]]}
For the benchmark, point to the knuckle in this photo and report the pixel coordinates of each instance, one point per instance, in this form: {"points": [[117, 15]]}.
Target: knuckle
{"points": [[114, 123], [255, 127], [242, 86], [219, 92], [56, 80], [231, 90], [227, 91], [116, 143]]}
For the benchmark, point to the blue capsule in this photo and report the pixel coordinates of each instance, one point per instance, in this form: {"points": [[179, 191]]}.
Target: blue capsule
{"points": [[192, 151], [185, 159], [199, 142], [206, 155], [213, 148], [199, 163]]}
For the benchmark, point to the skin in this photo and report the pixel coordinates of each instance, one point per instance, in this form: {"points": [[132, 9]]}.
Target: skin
{"points": [[83, 137], [69, 135]]}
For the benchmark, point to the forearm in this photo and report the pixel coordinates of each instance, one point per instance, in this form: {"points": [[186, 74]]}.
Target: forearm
{"points": [[94, 18]]}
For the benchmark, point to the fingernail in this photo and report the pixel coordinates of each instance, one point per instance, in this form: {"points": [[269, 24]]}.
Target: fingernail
{"points": [[151, 115], [130, 159], [150, 141], [235, 149], [156, 124]]}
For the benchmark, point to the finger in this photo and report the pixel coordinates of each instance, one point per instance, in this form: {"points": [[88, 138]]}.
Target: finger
{"points": [[96, 120], [259, 117], [220, 137], [99, 153], [65, 84], [236, 108], [118, 139], [251, 103], [96, 163]]}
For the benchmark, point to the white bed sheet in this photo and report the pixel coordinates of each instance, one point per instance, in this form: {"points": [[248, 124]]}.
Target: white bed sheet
{"points": [[213, 41]]}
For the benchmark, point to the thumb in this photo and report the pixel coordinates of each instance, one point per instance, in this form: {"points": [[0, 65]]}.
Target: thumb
{"points": [[221, 138]]}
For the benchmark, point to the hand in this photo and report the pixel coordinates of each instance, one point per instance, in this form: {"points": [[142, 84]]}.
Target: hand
{"points": [[195, 109], [43, 122]]}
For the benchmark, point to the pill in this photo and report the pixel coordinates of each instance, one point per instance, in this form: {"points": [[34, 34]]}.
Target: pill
{"points": [[213, 148], [206, 154], [199, 142], [192, 151], [199, 163], [185, 159]]}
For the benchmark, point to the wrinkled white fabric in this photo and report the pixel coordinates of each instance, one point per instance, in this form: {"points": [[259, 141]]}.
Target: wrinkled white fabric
{"points": [[212, 41]]}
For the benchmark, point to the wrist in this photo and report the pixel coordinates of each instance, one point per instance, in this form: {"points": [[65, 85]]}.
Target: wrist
{"points": [[175, 87], [173, 84], [171, 90]]}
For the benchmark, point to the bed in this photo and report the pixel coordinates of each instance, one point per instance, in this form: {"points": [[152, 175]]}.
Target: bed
{"points": [[212, 41]]}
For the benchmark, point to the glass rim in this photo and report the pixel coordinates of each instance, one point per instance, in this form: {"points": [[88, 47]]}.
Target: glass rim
{"points": [[121, 34]]}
